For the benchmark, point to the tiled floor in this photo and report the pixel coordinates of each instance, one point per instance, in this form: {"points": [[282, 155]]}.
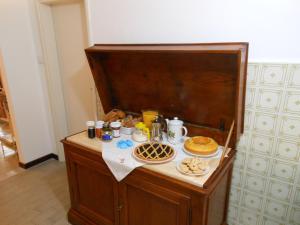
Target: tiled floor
{"points": [[37, 196], [5, 131], [8, 164]]}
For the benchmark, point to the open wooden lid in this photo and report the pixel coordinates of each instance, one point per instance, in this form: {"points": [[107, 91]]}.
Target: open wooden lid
{"points": [[202, 84]]}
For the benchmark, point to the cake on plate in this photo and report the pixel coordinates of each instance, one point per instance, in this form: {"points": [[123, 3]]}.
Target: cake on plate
{"points": [[201, 145]]}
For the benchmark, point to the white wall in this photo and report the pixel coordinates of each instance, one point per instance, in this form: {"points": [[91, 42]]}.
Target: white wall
{"points": [[25, 81], [271, 26]]}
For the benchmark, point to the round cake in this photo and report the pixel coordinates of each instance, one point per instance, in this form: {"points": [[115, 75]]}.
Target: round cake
{"points": [[201, 145]]}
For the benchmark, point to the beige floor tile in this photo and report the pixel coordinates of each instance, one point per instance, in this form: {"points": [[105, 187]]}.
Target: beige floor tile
{"points": [[37, 196]]}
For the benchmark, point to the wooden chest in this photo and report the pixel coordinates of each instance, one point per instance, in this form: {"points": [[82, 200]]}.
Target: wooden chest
{"points": [[203, 84]]}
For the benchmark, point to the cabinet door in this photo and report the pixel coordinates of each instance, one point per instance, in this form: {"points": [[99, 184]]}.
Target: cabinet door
{"points": [[145, 203], [94, 192]]}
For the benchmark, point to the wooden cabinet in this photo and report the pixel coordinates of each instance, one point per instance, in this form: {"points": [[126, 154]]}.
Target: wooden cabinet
{"points": [[94, 192], [202, 84], [143, 197], [146, 203]]}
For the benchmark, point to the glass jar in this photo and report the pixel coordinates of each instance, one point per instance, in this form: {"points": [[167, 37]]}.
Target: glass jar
{"points": [[116, 126], [98, 128], [91, 129], [141, 133], [106, 133]]}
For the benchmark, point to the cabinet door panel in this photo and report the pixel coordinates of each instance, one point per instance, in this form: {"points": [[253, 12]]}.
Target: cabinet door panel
{"points": [[94, 190], [149, 204]]}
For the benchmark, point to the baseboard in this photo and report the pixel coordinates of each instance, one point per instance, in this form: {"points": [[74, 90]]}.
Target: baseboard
{"points": [[37, 161]]}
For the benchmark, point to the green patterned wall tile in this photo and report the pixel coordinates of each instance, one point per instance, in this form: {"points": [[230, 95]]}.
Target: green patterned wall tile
{"points": [[247, 217], [237, 178], [284, 171], [273, 75], [252, 201], [276, 209], [265, 123], [288, 150], [290, 127], [279, 190], [295, 216], [240, 160], [248, 119], [269, 221], [292, 102], [255, 183], [232, 222], [294, 76], [235, 195], [258, 164], [233, 212], [250, 98], [297, 197], [261, 144], [252, 75], [243, 142], [268, 99]]}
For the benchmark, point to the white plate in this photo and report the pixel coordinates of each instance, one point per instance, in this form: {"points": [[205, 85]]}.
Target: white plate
{"points": [[202, 156], [191, 174]]}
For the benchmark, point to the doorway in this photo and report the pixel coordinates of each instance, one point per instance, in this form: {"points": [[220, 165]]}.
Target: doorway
{"points": [[70, 30], [9, 161], [63, 33]]}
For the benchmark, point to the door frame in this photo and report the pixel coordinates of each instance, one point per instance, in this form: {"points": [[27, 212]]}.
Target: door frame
{"points": [[12, 122], [49, 59]]}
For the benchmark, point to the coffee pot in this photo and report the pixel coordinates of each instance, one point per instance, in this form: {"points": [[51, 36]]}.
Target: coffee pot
{"points": [[176, 131], [158, 126]]}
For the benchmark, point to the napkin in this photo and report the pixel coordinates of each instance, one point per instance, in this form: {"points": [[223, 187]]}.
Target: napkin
{"points": [[119, 161]]}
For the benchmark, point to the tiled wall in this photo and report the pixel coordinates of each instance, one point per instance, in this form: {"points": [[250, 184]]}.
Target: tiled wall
{"points": [[266, 179]]}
